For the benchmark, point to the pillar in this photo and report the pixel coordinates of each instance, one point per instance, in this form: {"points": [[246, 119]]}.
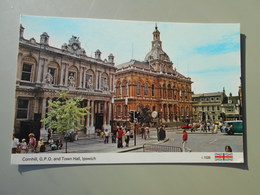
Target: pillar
{"points": [[61, 74]]}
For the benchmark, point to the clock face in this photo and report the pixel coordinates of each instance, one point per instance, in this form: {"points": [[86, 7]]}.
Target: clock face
{"points": [[75, 46]]}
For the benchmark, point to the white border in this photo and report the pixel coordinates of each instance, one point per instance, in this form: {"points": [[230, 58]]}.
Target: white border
{"points": [[119, 158]]}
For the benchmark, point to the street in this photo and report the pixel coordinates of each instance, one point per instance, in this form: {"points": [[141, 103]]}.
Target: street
{"points": [[197, 141]]}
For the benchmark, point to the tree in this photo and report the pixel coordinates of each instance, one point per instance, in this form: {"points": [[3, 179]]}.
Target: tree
{"points": [[65, 114], [145, 116]]}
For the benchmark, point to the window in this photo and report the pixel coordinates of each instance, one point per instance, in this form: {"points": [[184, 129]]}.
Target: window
{"points": [[146, 89], [118, 110], [89, 81], [119, 89], [125, 111], [153, 88], [72, 79], [103, 83], [213, 108], [101, 108], [207, 108], [218, 108], [52, 72], [126, 89], [154, 108], [26, 72], [22, 109], [169, 91], [138, 89]]}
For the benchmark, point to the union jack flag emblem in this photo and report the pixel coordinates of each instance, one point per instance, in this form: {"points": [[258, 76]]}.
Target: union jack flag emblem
{"points": [[224, 156]]}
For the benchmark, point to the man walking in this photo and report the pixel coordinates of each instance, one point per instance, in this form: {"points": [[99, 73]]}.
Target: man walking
{"points": [[120, 135], [185, 141]]}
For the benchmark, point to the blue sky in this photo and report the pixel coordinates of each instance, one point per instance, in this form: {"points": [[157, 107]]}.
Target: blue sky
{"points": [[208, 53]]}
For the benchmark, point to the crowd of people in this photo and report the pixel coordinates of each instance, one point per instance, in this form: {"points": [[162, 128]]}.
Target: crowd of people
{"points": [[33, 145], [122, 134]]}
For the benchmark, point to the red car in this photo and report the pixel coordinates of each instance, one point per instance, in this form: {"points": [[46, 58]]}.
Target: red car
{"points": [[189, 126]]}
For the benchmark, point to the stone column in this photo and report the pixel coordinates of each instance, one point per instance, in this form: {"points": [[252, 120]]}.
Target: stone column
{"points": [[84, 77], [168, 113], [92, 113], [109, 111], [66, 74], [39, 72], [88, 116], [61, 75], [43, 109], [45, 70], [80, 77], [97, 79], [105, 114]]}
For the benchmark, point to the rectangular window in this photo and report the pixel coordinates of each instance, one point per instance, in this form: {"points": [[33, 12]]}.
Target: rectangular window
{"points": [[152, 90], [26, 72], [22, 108], [101, 108], [213, 108]]}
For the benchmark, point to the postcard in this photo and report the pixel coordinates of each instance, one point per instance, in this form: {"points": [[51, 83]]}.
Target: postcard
{"points": [[98, 91]]}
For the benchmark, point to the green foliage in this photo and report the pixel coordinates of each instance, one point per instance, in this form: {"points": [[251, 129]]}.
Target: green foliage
{"points": [[65, 113], [145, 115]]}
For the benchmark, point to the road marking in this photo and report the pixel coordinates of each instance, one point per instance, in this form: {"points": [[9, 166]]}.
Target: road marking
{"points": [[213, 141]]}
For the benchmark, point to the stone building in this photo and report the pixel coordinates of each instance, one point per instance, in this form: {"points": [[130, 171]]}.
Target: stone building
{"points": [[155, 83], [43, 71], [231, 108], [207, 106], [216, 106]]}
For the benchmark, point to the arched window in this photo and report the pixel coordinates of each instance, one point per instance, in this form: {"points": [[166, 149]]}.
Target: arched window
{"points": [[120, 89], [146, 89], [187, 111], [89, 80], [169, 91], [138, 89], [126, 89], [164, 91], [119, 111], [153, 90]]}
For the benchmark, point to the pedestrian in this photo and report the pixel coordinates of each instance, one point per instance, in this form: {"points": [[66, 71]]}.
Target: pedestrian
{"points": [[32, 143], [148, 132], [41, 146], [142, 132], [120, 135], [23, 146], [106, 134], [127, 137], [15, 144], [113, 136], [185, 141], [228, 148]]}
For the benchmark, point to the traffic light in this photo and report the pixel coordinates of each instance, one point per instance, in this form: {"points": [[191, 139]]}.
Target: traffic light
{"points": [[131, 116], [137, 116]]}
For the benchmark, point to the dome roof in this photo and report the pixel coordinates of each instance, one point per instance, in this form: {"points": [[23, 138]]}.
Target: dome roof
{"points": [[157, 54]]}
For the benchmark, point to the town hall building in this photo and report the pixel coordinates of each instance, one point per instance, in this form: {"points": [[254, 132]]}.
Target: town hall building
{"points": [[154, 83]]}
